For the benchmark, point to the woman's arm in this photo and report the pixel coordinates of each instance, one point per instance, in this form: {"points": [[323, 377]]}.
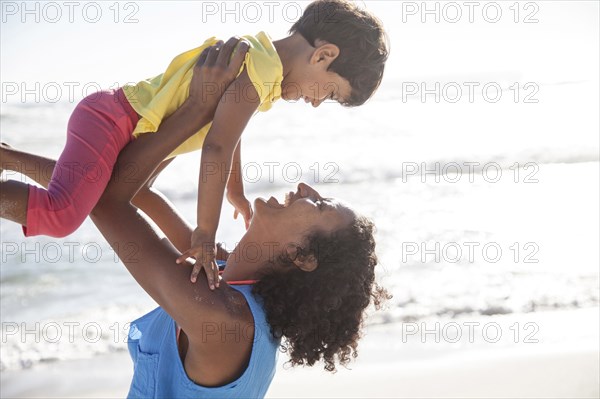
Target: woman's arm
{"points": [[149, 258], [148, 199], [163, 212]]}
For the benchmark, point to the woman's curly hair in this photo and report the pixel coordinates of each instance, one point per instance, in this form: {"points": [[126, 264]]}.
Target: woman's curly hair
{"points": [[320, 313]]}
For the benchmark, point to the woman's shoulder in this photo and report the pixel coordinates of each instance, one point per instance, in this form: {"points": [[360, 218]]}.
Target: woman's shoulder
{"points": [[238, 300], [224, 352]]}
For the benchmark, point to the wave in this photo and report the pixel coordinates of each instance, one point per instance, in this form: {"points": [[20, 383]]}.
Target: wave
{"points": [[525, 167], [104, 330]]}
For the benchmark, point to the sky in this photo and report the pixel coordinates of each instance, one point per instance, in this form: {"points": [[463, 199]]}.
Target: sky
{"points": [[108, 43]]}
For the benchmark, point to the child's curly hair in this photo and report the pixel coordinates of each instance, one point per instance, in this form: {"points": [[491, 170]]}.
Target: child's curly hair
{"points": [[360, 37], [320, 313]]}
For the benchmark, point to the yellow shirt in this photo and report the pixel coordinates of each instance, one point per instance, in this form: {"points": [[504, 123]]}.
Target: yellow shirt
{"points": [[157, 98]]}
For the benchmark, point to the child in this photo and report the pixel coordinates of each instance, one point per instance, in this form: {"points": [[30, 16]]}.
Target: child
{"points": [[335, 51]]}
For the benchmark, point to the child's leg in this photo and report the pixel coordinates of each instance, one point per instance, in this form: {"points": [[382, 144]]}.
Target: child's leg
{"points": [[36, 167], [98, 129], [13, 201], [15, 195]]}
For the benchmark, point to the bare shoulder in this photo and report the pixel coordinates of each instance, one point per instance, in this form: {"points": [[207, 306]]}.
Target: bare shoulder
{"points": [[226, 304], [235, 302], [220, 350]]}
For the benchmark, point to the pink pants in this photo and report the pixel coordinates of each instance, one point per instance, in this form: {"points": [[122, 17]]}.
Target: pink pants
{"points": [[98, 129]]}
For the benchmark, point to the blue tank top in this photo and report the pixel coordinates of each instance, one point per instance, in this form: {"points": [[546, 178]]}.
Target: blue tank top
{"points": [[159, 373]]}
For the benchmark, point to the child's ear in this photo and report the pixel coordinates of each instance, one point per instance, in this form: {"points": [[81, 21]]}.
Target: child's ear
{"points": [[325, 53]]}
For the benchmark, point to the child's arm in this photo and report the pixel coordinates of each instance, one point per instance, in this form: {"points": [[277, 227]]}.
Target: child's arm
{"points": [[163, 212], [235, 109], [235, 188]]}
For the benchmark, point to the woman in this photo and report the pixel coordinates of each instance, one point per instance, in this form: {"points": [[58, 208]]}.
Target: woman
{"points": [[303, 271]]}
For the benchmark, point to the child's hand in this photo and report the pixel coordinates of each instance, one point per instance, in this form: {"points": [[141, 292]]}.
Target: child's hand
{"points": [[242, 206], [204, 251]]}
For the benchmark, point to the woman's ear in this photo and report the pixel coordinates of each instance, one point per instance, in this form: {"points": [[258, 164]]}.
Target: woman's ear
{"points": [[325, 53], [306, 263]]}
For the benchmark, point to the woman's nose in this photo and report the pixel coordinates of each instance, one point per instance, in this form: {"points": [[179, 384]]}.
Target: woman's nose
{"points": [[302, 189], [306, 191]]}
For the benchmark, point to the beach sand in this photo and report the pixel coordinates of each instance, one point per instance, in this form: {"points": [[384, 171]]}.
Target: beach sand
{"points": [[564, 363]]}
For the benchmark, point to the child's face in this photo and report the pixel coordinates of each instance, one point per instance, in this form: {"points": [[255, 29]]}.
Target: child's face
{"points": [[312, 82]]}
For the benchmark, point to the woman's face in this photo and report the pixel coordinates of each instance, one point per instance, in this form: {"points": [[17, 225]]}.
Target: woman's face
{"points": [[303, 212]]}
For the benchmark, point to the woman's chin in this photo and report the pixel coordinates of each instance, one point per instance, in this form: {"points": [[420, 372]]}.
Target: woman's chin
{"points": [[260, 204], [260, 200], [262, 212]]}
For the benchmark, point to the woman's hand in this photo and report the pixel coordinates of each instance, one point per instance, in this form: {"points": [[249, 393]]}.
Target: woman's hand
{"points": [[149, 150], [215, 70], [242, 206]]}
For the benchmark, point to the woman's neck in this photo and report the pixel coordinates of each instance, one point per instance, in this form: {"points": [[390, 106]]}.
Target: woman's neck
{"points": [[249, 259]]}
